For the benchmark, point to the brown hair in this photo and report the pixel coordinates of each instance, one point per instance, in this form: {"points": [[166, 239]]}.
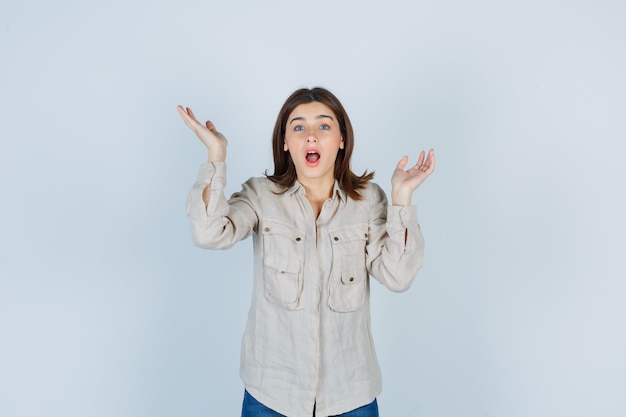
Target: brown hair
{"points": [[284, 169]]}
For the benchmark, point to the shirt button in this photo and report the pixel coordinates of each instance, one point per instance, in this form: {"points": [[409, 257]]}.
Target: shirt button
{"points": [[298, 239], [365, 235], [336, 238], [267, 229], [351, 279]]}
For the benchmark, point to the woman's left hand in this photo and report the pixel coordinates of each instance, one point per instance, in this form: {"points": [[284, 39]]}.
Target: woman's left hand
{"points": [[403, 183]]}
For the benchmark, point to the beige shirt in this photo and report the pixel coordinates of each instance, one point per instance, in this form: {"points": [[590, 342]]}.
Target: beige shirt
{"points": [[308, 339]]}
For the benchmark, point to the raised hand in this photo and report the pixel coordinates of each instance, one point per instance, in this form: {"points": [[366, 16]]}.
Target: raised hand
{"points": [[403, 183], [214, 141]]}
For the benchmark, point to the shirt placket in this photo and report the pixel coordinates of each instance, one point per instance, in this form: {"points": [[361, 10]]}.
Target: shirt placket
{"points": [[323, 252]]}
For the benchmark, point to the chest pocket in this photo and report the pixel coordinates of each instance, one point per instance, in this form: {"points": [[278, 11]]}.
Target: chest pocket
{"points": [[348, 279], [283, 256]]}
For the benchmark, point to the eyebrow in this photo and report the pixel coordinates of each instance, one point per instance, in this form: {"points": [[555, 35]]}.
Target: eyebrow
{"points": [[321, 116]]}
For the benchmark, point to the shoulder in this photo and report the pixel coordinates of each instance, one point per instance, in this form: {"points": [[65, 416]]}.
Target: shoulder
{"points": [[262, 182], [373, 198], [261, 186], [372, 193]]}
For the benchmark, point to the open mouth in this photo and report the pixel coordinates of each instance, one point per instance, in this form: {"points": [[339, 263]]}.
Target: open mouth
{"points": [[312, 157]]}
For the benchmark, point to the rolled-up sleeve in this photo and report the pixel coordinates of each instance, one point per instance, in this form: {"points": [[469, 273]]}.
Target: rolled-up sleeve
{"points": [[221, 223], [395, 247]]}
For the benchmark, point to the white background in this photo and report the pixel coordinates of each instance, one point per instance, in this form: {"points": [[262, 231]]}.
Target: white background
{"points": [[106, 308]]}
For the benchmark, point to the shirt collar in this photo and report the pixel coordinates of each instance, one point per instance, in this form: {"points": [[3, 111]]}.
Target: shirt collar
{"points": [[337, 190], [340, 192]]}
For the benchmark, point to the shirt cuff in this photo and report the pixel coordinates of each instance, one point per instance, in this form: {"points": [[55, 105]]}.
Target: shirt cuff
{"points": [[213, 173], [401, 217]]}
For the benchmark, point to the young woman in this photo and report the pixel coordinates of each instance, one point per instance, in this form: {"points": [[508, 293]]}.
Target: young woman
{"points": [[319, 232]]}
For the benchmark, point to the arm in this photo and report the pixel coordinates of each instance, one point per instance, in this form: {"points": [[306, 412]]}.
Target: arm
{"points": [[214, 141], [396, 246], [214, 222]]}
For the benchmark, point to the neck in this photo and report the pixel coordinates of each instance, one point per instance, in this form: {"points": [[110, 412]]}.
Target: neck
{"points": [[318, 189]]}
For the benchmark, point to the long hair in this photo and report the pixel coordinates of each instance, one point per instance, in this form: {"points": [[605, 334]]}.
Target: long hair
{"points": [[284, 168]]}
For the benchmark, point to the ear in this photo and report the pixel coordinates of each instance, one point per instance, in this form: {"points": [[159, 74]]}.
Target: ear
{"points": [[285, 147], [341, 144]]}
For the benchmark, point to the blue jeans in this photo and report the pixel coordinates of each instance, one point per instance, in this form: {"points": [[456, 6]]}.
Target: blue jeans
{"points": [[253, 408]]}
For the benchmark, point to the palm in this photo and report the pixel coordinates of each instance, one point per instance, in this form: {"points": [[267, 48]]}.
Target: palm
{"points": [[404, 182], [214, 141]]}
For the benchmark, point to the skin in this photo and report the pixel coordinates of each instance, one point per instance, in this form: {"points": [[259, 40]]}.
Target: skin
{"points": [[313, 125]]}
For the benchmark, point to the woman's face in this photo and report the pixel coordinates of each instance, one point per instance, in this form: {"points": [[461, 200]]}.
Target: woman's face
{"points": [[313, 139]]}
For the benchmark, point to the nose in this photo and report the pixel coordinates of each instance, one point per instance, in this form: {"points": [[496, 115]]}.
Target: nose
{"points": [[311, 137]]}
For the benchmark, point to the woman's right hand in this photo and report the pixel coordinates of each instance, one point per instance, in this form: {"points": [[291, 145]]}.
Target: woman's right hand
{"points": [[214, 141]]}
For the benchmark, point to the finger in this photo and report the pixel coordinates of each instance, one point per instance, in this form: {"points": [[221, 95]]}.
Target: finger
{"points": [[420, 161], [185, 116], [402, 162], [193, 116], [211, 126], [431, 160], [182, 111]]}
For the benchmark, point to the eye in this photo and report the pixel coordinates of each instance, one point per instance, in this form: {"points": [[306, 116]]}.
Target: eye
{"points": [[325, 127], [298, 128]]}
